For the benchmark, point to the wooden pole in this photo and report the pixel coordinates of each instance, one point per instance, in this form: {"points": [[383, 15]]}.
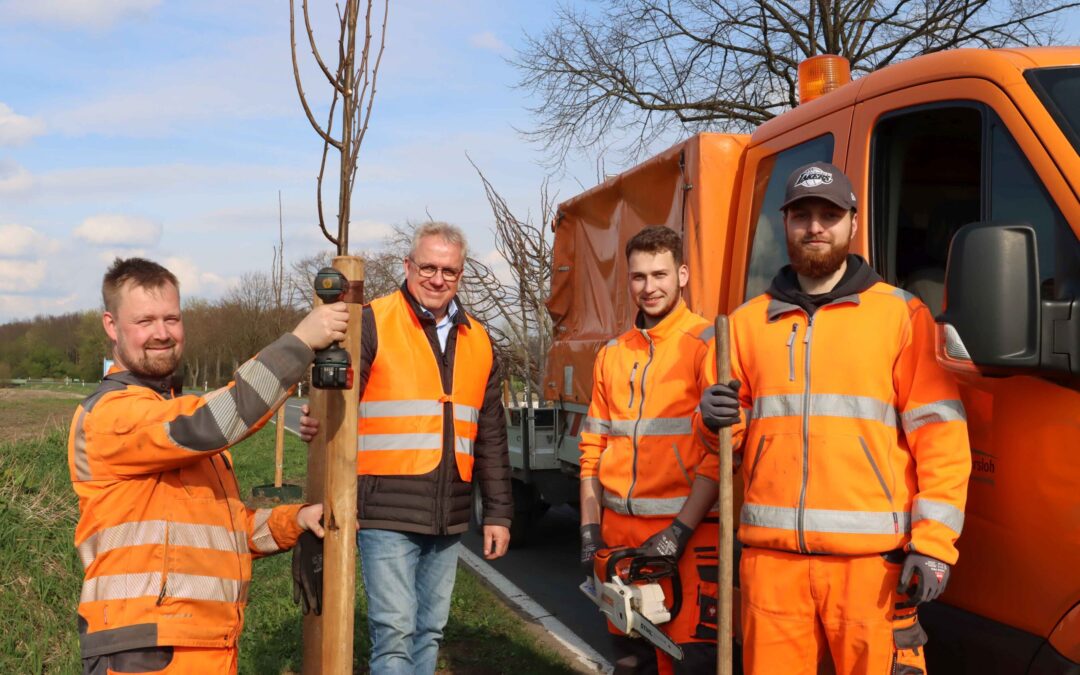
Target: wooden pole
{"points": [[727, 518], [279, 446], [328, 639]]}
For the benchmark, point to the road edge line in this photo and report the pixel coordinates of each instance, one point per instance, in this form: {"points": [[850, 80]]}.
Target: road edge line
{"points": [[532, 609]]}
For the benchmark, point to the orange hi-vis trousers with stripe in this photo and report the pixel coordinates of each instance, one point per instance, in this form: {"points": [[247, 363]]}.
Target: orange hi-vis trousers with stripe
{"points": [[797, 610], [166, 661]]}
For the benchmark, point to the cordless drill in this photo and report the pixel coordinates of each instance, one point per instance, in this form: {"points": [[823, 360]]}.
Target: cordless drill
{"points": [[333, 367]]}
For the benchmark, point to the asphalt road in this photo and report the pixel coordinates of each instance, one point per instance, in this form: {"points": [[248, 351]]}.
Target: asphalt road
{"points": [[546, 568]]}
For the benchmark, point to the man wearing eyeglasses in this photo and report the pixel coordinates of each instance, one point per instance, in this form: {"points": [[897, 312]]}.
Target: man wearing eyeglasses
{"points": [[431, 420]]}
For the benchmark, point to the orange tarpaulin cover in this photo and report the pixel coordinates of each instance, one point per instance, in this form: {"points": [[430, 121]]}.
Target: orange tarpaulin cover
{"points": [[690, 188]]}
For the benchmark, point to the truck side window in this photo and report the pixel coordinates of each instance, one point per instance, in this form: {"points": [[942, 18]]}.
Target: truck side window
{"points": [[1017, 195], [925, 185], [768, 252]]}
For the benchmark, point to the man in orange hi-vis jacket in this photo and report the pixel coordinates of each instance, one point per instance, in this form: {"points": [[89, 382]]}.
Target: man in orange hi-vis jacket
{"points": [[854, 449], [165, 541], [644, 482]]}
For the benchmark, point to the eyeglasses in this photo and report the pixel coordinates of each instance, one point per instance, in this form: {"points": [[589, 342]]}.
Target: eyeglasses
{"points": [[428, 271]]}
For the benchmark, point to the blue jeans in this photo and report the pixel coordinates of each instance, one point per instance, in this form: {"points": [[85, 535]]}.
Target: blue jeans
{"points": [[408, 579]]}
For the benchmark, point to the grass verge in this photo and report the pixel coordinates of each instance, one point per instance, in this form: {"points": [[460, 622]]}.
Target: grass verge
{"points": [[41, 578]]}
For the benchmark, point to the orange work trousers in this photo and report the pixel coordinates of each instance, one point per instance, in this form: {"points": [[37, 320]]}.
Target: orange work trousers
{"points": [[798, 610], [695, 624], [166, 661]]}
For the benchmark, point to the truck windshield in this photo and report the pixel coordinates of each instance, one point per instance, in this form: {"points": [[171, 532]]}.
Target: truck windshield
{"points": [[1059, 90]]}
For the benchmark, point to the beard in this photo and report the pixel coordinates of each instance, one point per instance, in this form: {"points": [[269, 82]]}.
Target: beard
{"points": [[151, 364], [817, 264]]}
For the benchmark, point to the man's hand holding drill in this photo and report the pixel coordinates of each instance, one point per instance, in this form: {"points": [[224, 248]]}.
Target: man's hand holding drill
{"points": [[323, 326]]}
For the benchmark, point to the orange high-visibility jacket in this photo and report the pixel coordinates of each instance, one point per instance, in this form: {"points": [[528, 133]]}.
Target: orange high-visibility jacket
{"points": [[166, 542], [405, 409], [638, 435], [857, 440]]}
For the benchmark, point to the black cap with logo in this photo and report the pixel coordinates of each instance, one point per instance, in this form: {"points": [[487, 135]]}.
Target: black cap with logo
{"points": [[822, 180]]}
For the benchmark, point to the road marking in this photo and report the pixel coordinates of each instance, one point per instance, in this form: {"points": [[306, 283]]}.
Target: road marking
{"points": [[557, 629]]}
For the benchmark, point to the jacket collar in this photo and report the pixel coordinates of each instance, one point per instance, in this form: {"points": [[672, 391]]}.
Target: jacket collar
{"points": [[459, 319], [672, 324], [166, 386]]}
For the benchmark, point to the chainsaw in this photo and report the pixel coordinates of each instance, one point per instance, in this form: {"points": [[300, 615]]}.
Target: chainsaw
{"points": [[626, 587]]}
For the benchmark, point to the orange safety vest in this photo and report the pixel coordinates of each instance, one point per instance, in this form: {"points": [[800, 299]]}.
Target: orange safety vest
{"points": [[165, 541], [638, 436], [857, 441], [404, 406]]}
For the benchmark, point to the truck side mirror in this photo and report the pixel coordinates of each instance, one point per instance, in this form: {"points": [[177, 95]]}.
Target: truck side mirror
{"points": [[994, 321]]}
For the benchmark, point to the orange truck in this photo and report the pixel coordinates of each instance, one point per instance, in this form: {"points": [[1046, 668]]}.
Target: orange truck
{"points": [[967, 169]]}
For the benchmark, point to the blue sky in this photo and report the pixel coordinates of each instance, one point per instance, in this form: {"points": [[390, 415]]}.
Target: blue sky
{"points": [[165, 128]]}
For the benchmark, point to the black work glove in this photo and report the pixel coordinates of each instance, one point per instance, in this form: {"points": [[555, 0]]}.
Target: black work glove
{"points": [[307, 572], [922, 579], [591, 542], [669, 542], [720, 405]]}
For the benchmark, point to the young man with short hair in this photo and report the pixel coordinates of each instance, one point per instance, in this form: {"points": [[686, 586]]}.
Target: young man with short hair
{"points": [[644, 482]]}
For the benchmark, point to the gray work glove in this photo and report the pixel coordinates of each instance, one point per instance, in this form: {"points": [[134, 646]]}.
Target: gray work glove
{"points": [[720, 405], [669, 542], [307, 572], [591, 542], [922, 579]]}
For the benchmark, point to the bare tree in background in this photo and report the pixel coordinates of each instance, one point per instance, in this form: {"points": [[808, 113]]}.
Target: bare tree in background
{"points": [[353, 84], [382, 274], [634, 70]]}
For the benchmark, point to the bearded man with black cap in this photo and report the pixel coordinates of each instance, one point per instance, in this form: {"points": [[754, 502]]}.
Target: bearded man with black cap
{"points": [[853, 446]]}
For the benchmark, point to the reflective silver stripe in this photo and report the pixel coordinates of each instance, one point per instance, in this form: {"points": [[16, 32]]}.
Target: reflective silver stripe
{"points": [[136, 533], [825, 520], [148, 584], [595, 425], [826, 405], [946, 514], [400, 408], [265, 383], [950, 410], [463, 446], [227, 417], [262, 539], [212, 537], [399, 442], [466, 413], [653, 426], [81, 460], [708, 334], [152, 532], [643, 506]]}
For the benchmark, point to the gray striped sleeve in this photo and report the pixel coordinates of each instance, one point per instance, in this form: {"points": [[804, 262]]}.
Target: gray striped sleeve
{"points": [[260, 385]]}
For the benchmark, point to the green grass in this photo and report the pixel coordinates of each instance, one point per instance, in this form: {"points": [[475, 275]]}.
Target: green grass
{"points": [[41, 578]]}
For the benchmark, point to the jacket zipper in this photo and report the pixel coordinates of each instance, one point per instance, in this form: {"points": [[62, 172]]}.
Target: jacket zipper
{"points": [[791, 352], [442, 476], [801, 519], [641, 411], [633, 371], [164, 568]]}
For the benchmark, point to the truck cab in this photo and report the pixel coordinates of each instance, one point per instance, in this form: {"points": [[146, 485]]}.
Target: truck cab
{"points": [[966, 166]]}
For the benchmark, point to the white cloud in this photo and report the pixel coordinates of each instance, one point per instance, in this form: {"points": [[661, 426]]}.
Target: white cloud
{"points": [[194, 281], [20, 276], [95, 14], [103, 182], [20, 241], [17, 129], [489, 41], [119, 230], [14, 179], [13, 306]]}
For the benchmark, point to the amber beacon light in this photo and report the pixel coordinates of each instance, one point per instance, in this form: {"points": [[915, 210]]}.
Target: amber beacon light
{"points": [[818, 75]]}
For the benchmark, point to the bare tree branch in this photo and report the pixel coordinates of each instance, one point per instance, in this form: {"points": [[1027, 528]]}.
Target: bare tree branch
{"points": [[624, 73]]}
